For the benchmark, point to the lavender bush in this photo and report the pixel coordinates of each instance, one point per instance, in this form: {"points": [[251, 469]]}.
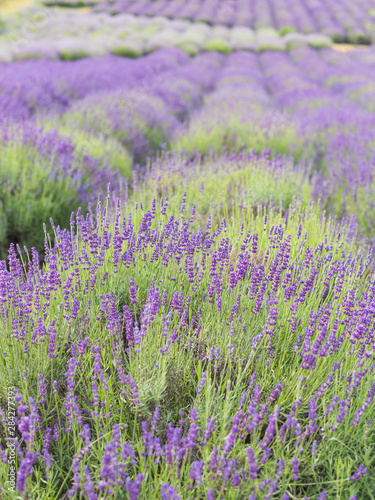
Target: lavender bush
{"points": [[43, 175]]}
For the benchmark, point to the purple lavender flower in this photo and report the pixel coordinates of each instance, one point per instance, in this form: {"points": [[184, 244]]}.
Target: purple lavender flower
{"points": [[362, 470], [201, 382], [132, 292], [253, 466], [42, 389], [210, 427], [88, 485], [134, 488], [295, 466], [168, 492], [210, 494], [25, 470], [195, 473]]}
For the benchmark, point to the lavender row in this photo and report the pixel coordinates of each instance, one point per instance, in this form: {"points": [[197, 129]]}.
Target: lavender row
{"points": [[54, 34], [145, 118], [349, 21], [30, 88]]}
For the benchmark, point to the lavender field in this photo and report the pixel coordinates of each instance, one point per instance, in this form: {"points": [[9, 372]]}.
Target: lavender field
{"points": [[187, 236]]}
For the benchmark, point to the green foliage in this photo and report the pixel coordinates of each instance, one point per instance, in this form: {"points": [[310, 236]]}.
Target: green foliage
{"points": [[123, 119], [127, 48], [31, 191], [319, 41], [72, 55], [267, 32], [336, 36], [5, 54], [194, 35], [189, 47], [359, 38], [358, 203], [218, 44], [259, 181], [108, 150], [242, 33], [294, 40], [284, 30], [170, 380], [226, 129], [26, 53], [3, 25]]}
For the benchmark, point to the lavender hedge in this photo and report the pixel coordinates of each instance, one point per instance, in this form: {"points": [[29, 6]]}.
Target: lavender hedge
{"points": [[43, 175]]}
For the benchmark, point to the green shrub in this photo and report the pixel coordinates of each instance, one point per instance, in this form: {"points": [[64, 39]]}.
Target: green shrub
{"points": [[264, 182], [3, 25], [136, 120], [127, 48], [37, 50], [243, 45], [218, 45], [162, 40], [267, 32], [6, 54], [72, 50], [335, 36], [284, 30], [220, 32], [31, 191], [151, 29], [227, 128], [318, 41], [107, 149], [359, 38], [242, 33], [194, 35]]}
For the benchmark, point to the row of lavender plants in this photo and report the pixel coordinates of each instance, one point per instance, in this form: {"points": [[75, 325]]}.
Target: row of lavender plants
{"points": [[347, 20], [192, 341]]}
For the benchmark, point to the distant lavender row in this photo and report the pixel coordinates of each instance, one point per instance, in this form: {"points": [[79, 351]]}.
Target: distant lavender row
{"points": [[288, 83], [343, 21], [60, 35], [29, 88]]}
